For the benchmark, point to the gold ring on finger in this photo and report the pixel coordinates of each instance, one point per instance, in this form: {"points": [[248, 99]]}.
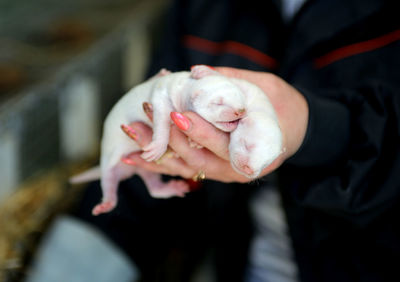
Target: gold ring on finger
{"points": [[201, 175]]}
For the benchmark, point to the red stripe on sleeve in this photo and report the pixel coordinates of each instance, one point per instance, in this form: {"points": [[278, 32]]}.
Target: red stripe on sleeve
{"points": [[233, 47], [356, 48]]}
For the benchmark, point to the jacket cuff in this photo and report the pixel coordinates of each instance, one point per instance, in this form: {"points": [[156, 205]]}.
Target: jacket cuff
{"points": [[328, 132]]}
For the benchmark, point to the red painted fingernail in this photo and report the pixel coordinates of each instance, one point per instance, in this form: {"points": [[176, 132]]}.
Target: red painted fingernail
{"points": [[129, 131], [128, 161], [180, 120]]}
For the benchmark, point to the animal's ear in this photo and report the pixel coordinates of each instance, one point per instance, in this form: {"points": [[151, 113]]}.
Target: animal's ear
{"points": [[200, 71]]}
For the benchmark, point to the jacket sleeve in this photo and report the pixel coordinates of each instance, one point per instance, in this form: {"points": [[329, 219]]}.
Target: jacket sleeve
{"points": [[349, 162]]}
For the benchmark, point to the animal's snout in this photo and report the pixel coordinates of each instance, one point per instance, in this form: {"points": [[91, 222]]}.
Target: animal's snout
{"points": [[232, 114], [247, 170], [243, 165], [239, 113]]}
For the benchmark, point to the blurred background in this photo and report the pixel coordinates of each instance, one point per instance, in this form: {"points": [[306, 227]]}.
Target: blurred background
{"points": [[63, 64]]}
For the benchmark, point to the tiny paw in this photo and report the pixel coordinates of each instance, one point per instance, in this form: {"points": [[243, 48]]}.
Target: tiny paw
{"points": [[179, 187], [103, 207], [172, 188], [163, 72], [153, 151], [200, 71]]}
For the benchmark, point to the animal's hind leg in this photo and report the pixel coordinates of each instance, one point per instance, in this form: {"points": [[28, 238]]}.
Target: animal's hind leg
{"points": [[161, 128], [109, 184], [159, 189]]}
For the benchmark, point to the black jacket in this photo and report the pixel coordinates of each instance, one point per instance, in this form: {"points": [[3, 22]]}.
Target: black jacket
{"points": [[342, 188]]}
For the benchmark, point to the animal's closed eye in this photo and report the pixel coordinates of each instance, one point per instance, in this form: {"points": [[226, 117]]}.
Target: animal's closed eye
{"points": [[219, 102], [248, 146]]}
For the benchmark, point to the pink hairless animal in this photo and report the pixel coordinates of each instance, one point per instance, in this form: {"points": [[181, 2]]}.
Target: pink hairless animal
{"points": [[231, 105]]}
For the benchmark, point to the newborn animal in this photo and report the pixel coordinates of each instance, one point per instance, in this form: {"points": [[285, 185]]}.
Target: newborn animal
{"points": [[231, 105]]}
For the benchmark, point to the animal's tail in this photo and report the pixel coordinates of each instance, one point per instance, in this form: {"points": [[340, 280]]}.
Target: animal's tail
{"points": [[91, 174]]}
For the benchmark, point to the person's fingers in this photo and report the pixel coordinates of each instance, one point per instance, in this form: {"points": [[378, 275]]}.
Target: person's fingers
{"points": [[180, 144], [202, 132], [203, 159], [171, 166], [220, 169], [142, 136], [138, 132]]}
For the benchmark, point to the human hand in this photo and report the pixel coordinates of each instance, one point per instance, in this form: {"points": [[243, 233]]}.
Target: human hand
{"points": [[213, 158]]}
